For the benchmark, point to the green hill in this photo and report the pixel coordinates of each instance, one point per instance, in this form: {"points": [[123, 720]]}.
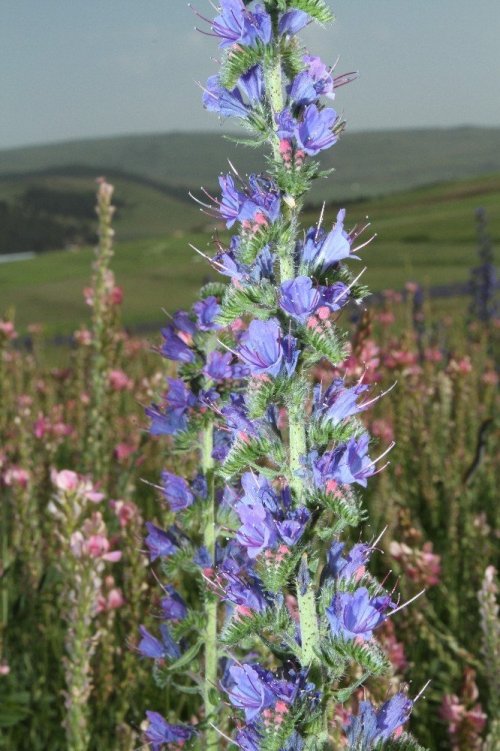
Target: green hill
{"points": [[426, 235], [366, 164]]}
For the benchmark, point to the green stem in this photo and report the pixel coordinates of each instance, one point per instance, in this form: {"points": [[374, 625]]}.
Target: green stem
{"points": [[210, 678], [306, 600], [274, 90]]}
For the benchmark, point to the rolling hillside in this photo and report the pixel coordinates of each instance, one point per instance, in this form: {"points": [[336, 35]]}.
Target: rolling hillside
{"points": [[366, 164]]}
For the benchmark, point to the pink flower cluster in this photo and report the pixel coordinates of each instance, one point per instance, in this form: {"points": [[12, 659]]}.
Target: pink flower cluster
{"points": [[421, 566], [69, 482], [92, 540], [464, 716], [7, 331], [114, 293]]}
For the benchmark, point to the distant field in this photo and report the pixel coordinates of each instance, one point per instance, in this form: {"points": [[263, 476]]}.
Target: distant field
{"points": [[366, 164], [426, 235]]}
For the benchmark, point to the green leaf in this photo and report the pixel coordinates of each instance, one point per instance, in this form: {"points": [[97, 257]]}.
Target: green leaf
{"points": [[191, 690], [276, 621], [253, 242], [292, 56], [344, 694], [261, 394], [213, 289], [237, 61], [317, 9], [368, 655], [257, 299], [275, 575], [323, 341], [185, 658], [322, 432], [243, 454], [405, 742], [14, 708]]}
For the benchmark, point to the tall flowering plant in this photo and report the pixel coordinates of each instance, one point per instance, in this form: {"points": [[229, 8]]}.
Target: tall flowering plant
{"points": [[282, 626]]}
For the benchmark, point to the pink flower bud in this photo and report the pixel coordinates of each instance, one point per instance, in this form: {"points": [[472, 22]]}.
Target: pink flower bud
{"points": [[66, 480], [97, 546], [16, 476], [7, 330], [119, 381], [123, 451], [4, 668], [115, 599]]}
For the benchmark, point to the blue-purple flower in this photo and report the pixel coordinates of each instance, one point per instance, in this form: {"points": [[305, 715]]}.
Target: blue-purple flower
{"points": [[323, 250], [338, 403], [249, 738], [258, 204], [249, 691], [261, 347], [236, 418], [218, 366], [161, 544], [392, 714], [293, 21], [172, 416], [173, 607], [239, 101], [242, 587], [352, 565], [158, 649], [347, 464], [257, 532], [370, 726], [174, 347], [315, 81], [263, 201], [231, 200], [251, 84], [176, 491], [334, 296], [314, 133], [267, 517], [286, 124], [354, 615], [161, 732], [299, 298], [207, 311], [237, 25], [183, 322]]}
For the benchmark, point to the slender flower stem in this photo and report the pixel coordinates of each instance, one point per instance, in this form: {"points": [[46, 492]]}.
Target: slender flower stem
{"points": [[210, 678]]}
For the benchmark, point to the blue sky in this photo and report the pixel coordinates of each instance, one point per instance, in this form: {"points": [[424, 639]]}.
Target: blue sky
{"points": [[83, 68]]}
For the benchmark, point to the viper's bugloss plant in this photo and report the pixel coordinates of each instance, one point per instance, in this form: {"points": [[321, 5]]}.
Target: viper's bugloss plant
{"points": [[268, 615]]}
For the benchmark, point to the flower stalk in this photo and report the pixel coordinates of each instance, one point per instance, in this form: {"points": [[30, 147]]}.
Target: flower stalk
{"points": [[280, 459], [102, 297]]}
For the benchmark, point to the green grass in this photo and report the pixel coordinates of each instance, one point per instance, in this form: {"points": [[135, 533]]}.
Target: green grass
{"points": [[426, 235]]}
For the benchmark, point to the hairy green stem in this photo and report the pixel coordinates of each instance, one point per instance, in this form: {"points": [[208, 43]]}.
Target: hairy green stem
{"points": [[297, 430], [209, 538]]}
